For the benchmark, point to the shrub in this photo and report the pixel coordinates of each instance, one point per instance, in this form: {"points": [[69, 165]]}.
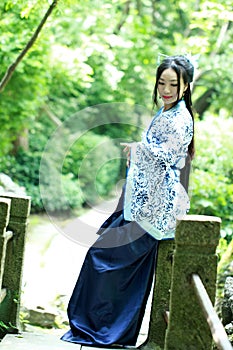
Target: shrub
{"points": [[212, 174], [24, 170], [90, 170], [95, 161]]}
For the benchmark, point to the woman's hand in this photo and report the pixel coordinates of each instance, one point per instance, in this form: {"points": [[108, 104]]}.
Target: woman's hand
{"points": [[127, 150]]}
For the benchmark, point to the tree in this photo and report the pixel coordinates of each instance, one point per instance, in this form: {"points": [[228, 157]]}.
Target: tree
{"points": [[16, 117], [96, 52], [93, 54], [12, 67]]}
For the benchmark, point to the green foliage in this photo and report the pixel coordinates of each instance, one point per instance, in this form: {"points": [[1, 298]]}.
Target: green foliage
{"points": [[24, 170], [72, 195], [95, 161], [88, 54], [90, 170], [211, 178], [27, 88]]}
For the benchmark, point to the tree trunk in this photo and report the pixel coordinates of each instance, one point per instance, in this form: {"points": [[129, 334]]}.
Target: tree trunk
{"points": [[203, 102], [21, 142]]}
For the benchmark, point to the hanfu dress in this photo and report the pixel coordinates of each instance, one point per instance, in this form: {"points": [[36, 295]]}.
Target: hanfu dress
{"points": [[108, 302]]}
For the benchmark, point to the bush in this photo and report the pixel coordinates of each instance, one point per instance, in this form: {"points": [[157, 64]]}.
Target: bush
{"points": [[24, 170], [95, 161], [64, 200], [212, 174], [90, 170]]}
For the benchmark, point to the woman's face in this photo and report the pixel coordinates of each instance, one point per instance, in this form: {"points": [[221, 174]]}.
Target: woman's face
{"points": [[168, 87]]}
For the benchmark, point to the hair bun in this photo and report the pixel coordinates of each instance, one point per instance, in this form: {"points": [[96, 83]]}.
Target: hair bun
{"points": [[187, 64]]}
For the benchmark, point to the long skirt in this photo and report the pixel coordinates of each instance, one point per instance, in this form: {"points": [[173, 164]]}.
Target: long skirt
{"points": [[109, 299]]}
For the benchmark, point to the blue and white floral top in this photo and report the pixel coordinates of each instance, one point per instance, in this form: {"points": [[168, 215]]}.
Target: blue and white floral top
{"points": [[154, 196]]}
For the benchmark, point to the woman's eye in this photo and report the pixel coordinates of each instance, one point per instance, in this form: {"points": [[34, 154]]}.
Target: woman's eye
{"points": [[174, 84], [160, 83]]}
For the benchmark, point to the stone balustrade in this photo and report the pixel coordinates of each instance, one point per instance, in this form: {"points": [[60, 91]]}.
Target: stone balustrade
{"points": [[14, 212], [194, 252]]}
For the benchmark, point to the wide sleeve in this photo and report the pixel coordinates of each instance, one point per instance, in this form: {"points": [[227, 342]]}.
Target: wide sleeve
{"points": [[162, 147], [166, 140]]}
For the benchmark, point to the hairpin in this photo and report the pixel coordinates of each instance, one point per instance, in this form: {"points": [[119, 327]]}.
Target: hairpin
{"points": [[193, 59], [159, 57]]}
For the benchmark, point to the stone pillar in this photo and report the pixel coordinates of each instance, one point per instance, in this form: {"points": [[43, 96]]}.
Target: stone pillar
{"points": [[196, 241], [12, 278], [4, 219], [161, 294]]}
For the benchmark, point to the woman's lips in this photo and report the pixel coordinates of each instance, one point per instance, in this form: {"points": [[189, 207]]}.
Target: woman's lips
{"points": [[167, 97]]}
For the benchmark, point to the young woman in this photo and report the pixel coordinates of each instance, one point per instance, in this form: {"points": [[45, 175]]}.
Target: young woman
{"points": [[108, 302]]}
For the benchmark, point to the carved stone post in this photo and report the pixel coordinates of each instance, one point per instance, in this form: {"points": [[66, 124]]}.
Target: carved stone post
{"points": [[196, 241], [4, 219], [12, 277], [161, 294]]}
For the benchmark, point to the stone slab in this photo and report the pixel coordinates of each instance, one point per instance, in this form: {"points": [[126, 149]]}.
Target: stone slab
{"points": [[34, 341]]}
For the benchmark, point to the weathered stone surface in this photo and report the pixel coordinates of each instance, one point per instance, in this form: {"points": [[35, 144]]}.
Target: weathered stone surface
{"points": [[4, 212], [13, 262], [4, 219], [227, 303], [196, 241], [161, 294], [41, 318]]}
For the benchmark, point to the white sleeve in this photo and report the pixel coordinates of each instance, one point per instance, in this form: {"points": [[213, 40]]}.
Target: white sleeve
{"points": [[163, 145]]}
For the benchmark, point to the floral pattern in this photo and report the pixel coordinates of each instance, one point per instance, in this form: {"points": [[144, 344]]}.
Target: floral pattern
{"points": [[154, 196]]}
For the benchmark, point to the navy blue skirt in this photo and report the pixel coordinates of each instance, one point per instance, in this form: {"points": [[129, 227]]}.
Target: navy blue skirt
{"points": [[108, 302]]}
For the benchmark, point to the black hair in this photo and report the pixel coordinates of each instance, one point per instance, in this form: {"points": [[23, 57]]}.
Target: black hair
{"points": [[183, 68]]}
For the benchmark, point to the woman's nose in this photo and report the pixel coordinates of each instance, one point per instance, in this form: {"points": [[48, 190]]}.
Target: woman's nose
{"points": [[166, 88]]}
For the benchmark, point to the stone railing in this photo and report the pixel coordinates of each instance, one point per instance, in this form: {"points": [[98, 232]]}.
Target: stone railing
{"points": [[177, 320], [14, 212]]}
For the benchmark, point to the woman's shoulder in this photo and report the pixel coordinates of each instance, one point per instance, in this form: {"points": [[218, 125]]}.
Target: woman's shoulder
{"points": [[181, 108], [179, 111], [176, 117]]}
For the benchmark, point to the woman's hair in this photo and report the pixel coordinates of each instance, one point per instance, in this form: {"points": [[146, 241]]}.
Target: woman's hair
{"points": [[183, 68]]}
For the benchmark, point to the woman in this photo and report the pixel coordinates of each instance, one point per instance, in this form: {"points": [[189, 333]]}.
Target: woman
{"points": [[108, 302]]}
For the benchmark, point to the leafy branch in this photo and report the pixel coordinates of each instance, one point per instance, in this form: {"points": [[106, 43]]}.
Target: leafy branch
{"points": [[125, 14], [5, 80]]}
